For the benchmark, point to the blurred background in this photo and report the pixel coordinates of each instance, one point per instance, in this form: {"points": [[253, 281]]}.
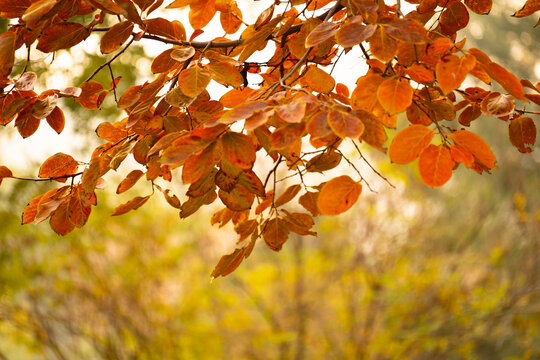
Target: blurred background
{"points": [[407, 273]]}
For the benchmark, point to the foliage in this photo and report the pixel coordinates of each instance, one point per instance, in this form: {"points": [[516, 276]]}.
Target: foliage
{"points": [[298, 115]]}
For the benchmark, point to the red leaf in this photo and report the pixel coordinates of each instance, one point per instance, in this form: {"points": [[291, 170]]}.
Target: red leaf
{"points": [[60, 219], [4, 173], [455, 17], [58, 165], [56, 120]]}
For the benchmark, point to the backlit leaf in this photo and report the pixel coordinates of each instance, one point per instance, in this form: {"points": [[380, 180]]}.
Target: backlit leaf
{"points": [[194, 80], [482, 7], [60, 219], [395, 95], [275, 233], [62, 35], [130, 180], [56, 120], [7, 52], [292, 112], [287, 195], [319, 80], [338, 195], [132, 204], [321, 33], [58, 165], [498, 105], [451, 71], [506, 79], [238, 149], [455, 17], [4, 173], [476, 146], [344, 124], [354, 33], [409, 143], [238, 199], [530, 7], [116, 36], [435, 165]]}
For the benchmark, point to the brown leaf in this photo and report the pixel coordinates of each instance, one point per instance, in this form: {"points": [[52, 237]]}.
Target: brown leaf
{"points": [[275, 233], [455, 17], [288, 195], [354, 33], [4, 173], [60, 219], [56, 120], [321, 33], [522, 132]]}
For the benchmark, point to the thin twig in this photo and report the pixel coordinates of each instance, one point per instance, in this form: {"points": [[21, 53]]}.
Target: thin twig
{"points": [[111, 60]]}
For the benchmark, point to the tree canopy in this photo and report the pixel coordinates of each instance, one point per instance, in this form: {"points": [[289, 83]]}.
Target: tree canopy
{"points": [[284, 108]]}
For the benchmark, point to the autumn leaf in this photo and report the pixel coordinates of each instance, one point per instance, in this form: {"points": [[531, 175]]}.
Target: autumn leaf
{"points": [[338, 195], [4, 173], [476, 146], [62, 36], [522, 132], [58, 165], [275, 233], [319, 80], [130, 180], [409, 143], [451, 71], [132, 204], [321, 33], [435, 165], [395, 95], [238, 149], [194, 80], [344, 124], [287, 195], [115, 37]]}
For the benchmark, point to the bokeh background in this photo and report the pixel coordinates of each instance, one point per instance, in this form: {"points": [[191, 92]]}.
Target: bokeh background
{"points": [[408, 273]]}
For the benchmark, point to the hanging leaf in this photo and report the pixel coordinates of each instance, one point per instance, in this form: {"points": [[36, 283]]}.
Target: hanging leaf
{"points": [[238, 149], [63, 35], [58, 165], [530, 7], [292, 112], [522, 133], [288, 195], [498, 105], [319, 80], [482, 7], [409, 143], [194, 80], [130, 180], [116, 36], [451, 71], [476, 146], [455, 17], [338, 195], [436, 165], [395, 95], [4, 173], [344, 124], [321, 33], [132, 204], [354, 33], [275, 233]]}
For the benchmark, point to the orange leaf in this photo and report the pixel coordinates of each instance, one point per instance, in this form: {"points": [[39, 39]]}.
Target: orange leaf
{"points": [[522, 133], [194, 80], [288, 195], [225, 73], [506, 79], [420, 73], [530, 7], [79, 207], [275, 233], [238, 149], [58, 165], [228, 263], [7, 52], [319, 80], [4, 173], [197, 165], [242, 111], [292, 112], [60, 219], [476, 146], [129, 181], [409, 143], [321, 33], [354, 33], [344, 124], [251, 182], [459, 154], [132, 204], [482, 7], [287, 135], [395, 95], [163, 62], [201, 12], [56, 120], [115, 37], [162, 27], [309, 202], [364, 96], [455, 17], [231, 20], [63, 35], [338, 195], [30, 211], [238, 199], [451, 71], [182, 54], [382, 45], [435, 164]]}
